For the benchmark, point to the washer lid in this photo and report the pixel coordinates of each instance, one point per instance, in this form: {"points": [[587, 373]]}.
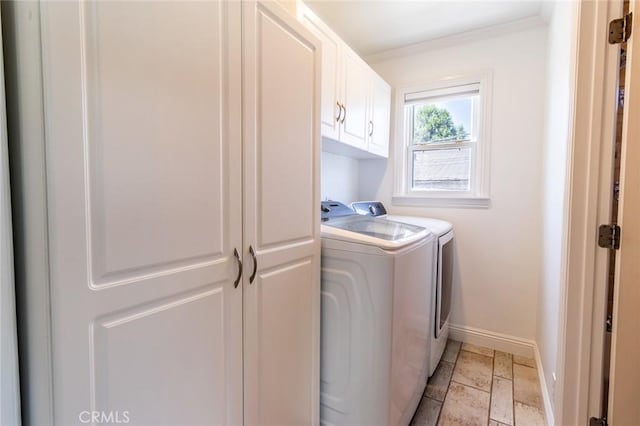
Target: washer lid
{"points": [[376, 209], [373, 231]]}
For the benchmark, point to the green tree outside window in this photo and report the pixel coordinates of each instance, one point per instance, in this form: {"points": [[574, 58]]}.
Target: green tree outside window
{"points": [[434, 124]]}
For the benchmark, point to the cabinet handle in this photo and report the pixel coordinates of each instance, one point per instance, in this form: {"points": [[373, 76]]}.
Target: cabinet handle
{"points": [[255, 264], [237, 256], [344, 115], [371, 127], [339, 112]]}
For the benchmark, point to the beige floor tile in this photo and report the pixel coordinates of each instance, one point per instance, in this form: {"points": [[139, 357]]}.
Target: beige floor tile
{"points": [[528, 416], [502, 401], [451, 351], [494, 423], [464, 406], [439, 382], [427, 413], [523, 360], [525, 386], [477, 349], [473, 369], [502, 365]]}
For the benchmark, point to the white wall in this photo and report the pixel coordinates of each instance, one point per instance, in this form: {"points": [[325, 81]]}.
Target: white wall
{"points": [[554, 178], [497, 270], [339, 178]]}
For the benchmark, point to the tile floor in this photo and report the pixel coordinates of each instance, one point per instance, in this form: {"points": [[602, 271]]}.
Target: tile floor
{"points": [[478, 386]]}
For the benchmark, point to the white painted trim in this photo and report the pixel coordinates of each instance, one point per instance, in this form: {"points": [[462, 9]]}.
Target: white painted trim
{"points": [[449, 202], [546, 395], [607, 116], [479, 194], [9, 379], [25, 122], [510, 344], [492, 340], [589, 173], [457, 39]]}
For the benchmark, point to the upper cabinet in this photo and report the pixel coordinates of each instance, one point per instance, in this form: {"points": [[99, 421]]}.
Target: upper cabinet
{"points": [[330, 103], [379, 117], [356, 102]]}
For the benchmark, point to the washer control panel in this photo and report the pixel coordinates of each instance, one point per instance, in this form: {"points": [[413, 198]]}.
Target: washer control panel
{"points": [[331, 209], [369, 208]]}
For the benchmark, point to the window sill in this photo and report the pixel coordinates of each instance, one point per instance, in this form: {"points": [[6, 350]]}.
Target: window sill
{"points": [[452, 202]]}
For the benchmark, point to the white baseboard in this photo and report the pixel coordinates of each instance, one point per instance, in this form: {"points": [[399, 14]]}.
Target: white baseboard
{"points": [[511, 344], [489, 339], [546, 396]]}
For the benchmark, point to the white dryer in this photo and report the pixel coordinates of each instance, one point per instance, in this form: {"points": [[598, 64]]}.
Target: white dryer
{"points": [[374, 360], [441, 282]]}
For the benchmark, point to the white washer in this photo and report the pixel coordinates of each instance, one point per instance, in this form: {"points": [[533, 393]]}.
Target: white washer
{"points": [[441, 282], [374, 360]]}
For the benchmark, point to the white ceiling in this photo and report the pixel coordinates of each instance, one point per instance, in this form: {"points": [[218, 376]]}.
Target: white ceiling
{"points": [[372, 26]]}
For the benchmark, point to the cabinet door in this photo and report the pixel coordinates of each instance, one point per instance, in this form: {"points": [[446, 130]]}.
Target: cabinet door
{"points": [[330, 112], [380, 116], [143, 154], [355, 93], [281, 218]]}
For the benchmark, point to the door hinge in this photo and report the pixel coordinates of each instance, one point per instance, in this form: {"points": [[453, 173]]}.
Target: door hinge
{"points": [[598, 421], [620, 29], [609, 323], [609, 236]]}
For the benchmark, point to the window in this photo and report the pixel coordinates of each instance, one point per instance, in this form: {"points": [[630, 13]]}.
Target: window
{"points": [[443, 160]]}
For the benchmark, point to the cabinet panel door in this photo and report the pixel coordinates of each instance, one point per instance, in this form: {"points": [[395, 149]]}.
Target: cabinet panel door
{"points": [[281, 217], [329, 109], [356, 94], [143, 155], [380, 117]]}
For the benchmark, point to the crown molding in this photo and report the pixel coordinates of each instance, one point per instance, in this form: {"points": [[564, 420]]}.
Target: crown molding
{"points": [[456, 39], [546, 10]]}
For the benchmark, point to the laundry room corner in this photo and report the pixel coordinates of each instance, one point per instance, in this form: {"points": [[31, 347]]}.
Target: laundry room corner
{"points": [[312, 212], [498, 249]]}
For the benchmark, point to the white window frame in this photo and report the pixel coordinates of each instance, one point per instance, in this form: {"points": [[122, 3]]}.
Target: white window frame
{"points": [[478, 194]]}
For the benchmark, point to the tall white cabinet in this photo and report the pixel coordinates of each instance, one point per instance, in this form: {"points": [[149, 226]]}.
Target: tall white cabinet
{"points": [[281, 130], [179, 193]]}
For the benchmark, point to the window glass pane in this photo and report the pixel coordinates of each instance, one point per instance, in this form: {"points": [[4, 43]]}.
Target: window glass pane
{"points": [[440, 120], [442, 169]]}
